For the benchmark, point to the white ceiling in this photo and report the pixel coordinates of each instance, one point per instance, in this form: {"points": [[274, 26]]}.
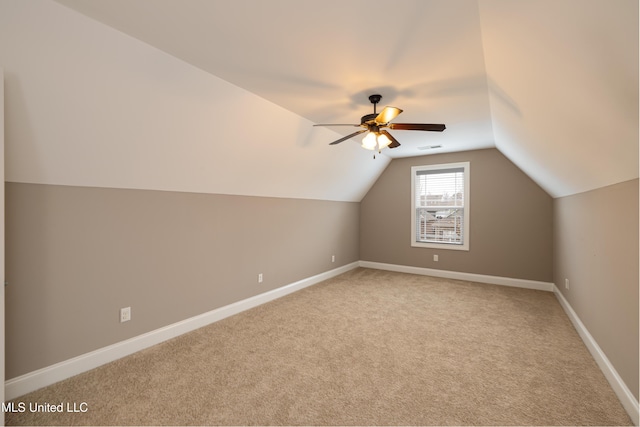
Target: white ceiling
{"points": [[553, 84], [322, 60]]}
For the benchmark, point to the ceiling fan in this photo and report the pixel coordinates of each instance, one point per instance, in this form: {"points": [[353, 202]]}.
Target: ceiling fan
{"points": [[374, 124]]}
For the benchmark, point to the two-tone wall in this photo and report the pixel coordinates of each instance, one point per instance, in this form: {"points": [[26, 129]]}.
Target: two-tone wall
{"points": [[76, 255], [136, 179]]}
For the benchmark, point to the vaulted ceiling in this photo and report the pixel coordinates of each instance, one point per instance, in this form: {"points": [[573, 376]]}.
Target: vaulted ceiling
{"points": [[552, 84]]}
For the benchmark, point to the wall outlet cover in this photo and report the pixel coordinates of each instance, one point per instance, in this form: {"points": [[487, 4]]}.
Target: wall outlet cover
{"points": [[125, 314]]}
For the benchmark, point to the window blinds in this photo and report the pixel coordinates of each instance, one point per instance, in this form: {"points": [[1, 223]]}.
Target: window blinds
{"points": [[439, 203]]}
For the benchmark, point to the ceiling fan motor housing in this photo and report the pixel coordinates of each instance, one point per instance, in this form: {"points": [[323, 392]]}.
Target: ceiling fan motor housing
{"points": [[368, 118]]}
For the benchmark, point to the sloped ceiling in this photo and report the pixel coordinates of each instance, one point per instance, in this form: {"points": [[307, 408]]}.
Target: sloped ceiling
{"points": [[563, 89], [553, 84]]}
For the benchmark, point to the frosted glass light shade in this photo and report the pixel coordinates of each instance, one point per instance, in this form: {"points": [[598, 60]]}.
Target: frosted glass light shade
{"points": [[375, 141], [369, 141], [383, 141]]}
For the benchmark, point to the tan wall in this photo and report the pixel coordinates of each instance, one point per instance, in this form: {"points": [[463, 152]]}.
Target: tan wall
{"points": [[510, 220], [76, 255], [596, 248]]}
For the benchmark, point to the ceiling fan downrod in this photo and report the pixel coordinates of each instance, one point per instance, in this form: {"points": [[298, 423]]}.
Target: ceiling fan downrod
{"points": [[374, 100]]}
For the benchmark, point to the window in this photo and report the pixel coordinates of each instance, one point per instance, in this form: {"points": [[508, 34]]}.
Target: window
{"points": [[440, 206]]}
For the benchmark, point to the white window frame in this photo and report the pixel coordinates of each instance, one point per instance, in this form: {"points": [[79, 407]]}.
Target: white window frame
{"points": [[464, 246]]}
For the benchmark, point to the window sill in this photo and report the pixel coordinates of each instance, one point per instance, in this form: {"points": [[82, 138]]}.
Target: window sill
{"points": [[442, 246]]}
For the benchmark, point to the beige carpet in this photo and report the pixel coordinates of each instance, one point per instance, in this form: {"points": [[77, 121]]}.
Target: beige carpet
{"points": [[365, 348]]}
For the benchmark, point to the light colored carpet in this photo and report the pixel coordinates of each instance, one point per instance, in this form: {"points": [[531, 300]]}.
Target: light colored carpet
{"points": [[366, 348]]}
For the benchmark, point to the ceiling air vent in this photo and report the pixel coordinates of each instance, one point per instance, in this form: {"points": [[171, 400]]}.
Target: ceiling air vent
{"points": [[429, 147]]}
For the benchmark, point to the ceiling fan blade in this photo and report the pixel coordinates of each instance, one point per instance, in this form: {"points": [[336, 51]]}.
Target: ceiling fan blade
{"points": [[394, 142], [347, 137], [418, 126], [387, 114], [336, 124]]}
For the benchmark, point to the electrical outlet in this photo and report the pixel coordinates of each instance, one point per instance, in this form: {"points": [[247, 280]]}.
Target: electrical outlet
{"points": [[125, 314], [435, 258], [333, 258], [260, 278], [566, 283]]}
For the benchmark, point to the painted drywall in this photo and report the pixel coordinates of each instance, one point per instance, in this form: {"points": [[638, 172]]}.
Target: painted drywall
{"points": [[596, 249], [76, 255], [510, 220], [87, 105], [553, 84], [327, 79], [563, 89]]}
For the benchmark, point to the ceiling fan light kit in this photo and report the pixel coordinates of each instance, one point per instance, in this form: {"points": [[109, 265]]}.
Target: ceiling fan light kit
{"points": [[375, 140], [377, 137]]}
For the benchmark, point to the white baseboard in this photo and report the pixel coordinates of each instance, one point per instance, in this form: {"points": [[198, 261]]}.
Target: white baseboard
{"points": [[472, 277], [621, 390], [31, 381]]}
